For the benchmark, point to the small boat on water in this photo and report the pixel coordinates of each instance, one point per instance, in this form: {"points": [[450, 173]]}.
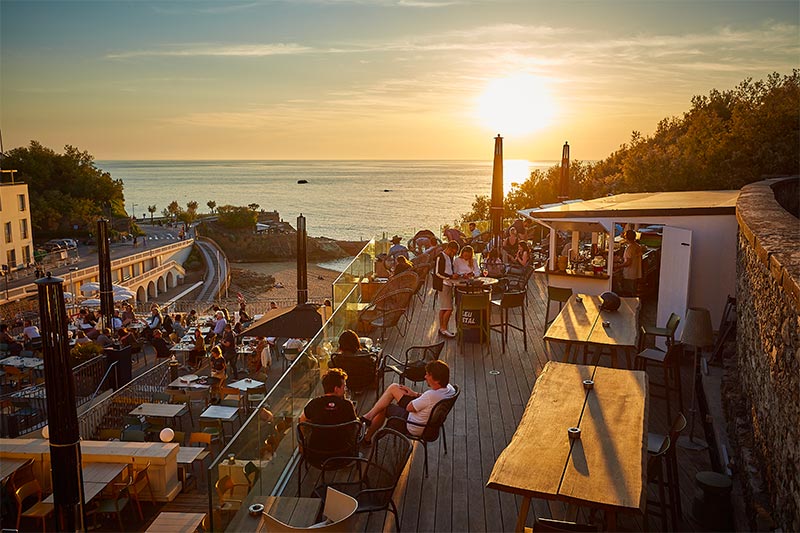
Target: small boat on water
{"points": [[302, 181]]}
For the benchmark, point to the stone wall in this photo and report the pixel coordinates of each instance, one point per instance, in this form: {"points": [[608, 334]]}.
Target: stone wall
{"points": [[767, 402]]}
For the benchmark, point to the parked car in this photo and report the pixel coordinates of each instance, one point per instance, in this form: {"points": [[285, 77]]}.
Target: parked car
{"points": [[52, 246]]}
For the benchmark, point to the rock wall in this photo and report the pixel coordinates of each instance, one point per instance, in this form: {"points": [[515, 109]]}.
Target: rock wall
{"points": [[767, 400]]}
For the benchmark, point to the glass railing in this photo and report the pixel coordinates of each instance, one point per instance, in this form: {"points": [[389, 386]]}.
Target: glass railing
{"points": [[362, 266], [261, 457]]}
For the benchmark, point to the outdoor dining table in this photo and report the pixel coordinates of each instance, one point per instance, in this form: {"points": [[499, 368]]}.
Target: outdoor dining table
{"points": [[9, 466], [96, 477], [474, 284], [246, 384], [22, 362], [171, 522], [582, 322], [297, 512], [220, 412], [605, 468], [160, 410], [190, 381]]}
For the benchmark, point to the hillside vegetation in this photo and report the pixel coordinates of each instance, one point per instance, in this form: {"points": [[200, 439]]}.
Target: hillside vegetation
{"points": [[725, 141]]}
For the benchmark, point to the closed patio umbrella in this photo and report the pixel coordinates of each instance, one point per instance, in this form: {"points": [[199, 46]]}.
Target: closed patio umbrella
{"points": [[299, 322], [496, 209], [563, 182]]}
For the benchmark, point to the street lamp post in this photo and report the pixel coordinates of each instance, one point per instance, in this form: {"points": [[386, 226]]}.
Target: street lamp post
{"points": [[72, 287]]}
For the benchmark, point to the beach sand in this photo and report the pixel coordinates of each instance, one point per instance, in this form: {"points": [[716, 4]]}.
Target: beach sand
{"points": [[285, 273]]}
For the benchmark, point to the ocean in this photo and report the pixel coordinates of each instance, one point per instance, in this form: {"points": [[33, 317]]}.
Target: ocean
{"points": [[348, 200]]}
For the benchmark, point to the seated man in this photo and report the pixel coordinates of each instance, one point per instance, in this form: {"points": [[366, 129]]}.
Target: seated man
{"points": [[14, 347], [31, 335], [330, 409], [398, 249], [104, 338], [160, 344], [411, 405]]}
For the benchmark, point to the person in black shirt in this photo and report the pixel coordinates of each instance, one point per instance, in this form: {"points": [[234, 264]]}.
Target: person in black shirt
{"points": [[229, 350], [159, 344], [330, 409]]}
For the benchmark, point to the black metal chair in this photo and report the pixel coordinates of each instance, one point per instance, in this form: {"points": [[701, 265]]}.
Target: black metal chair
{"points": [[363, 369], [508, 301], [378, 477], [318, 443], [413, 368], [435, 425], [556, 294]]}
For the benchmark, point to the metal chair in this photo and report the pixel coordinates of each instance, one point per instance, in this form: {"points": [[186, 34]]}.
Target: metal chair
{"points": [[363, 369], [319, 442], [479, 306], [508, 301], [434, 426], [116, 501], [378, 475], [667, 331], [413, 368], [225, 488], [140, 482], [556, 294]]}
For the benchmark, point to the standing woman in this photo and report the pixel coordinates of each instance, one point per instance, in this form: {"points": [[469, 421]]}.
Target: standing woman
{"points": [[218, 371]]}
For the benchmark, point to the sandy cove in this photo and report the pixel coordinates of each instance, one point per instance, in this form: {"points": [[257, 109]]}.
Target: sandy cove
{"points": [[285, 273]]}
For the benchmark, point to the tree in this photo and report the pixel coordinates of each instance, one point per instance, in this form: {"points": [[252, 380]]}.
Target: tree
{"points": [[211, 205], [235, 217], [190, 215], [253, 207], [152, 210], [65, 190], [173, 209]]}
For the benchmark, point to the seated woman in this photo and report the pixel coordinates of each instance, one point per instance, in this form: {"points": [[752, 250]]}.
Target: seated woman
{"points": [[14, 347], [361, 366], [510, 245], [465, 265], [494, 265], [523, 257]]}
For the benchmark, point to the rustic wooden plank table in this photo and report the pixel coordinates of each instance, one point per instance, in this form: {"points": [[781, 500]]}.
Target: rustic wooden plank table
{"points": [[168, 522], [297, 512], [581, 322], [605, 468], [9, 466]]}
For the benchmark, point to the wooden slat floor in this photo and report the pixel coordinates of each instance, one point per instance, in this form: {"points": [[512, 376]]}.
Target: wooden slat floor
{"points": [[454, 496]]}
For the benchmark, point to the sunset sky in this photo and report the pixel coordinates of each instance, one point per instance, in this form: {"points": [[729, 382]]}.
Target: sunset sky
{"points": [[380, 79]]}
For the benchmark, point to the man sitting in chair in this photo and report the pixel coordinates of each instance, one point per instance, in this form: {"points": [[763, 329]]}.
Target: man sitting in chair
{"points": [[331, 408], [411, 405]]}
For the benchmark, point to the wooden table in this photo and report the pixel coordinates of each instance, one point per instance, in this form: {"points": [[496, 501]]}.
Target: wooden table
{"points": [[297, 512], [9, 466], [96, 477], [581, 320], [188, 454], [167, 522], [22, 362], [606, 467], [220, 412]]}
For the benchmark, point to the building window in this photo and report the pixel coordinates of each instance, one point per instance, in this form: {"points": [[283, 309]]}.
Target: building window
{"points": [[8, 231], [26, 255], [21, 202], [23, 228], [11, 258]]}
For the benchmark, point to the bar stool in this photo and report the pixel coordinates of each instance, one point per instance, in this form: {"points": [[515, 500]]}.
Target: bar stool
{"points": [[669, 360], [655, 474], [556, 294], [654, 443], [511, 300]]}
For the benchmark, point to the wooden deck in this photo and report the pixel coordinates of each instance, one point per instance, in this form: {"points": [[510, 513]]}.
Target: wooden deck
{"points": [[454, 497], [495, 388]]}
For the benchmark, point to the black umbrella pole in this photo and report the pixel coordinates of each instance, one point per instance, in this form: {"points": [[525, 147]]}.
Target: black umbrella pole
{"points": [[496, 209], [104, 268], [62, 416], [302, 265]]}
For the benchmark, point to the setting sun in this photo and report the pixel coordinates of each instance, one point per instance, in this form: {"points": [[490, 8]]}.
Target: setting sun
{"points": [[516, 105]]}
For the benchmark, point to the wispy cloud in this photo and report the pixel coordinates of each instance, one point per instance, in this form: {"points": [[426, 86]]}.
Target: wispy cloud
{"points": [[210, 50]]}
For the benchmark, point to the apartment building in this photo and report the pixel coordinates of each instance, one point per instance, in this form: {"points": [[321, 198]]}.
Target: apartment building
{"points": [[16, 243]]}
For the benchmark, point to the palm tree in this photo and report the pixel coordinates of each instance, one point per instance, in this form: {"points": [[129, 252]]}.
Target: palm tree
{"points": [[152, 210], [211, 205]]}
